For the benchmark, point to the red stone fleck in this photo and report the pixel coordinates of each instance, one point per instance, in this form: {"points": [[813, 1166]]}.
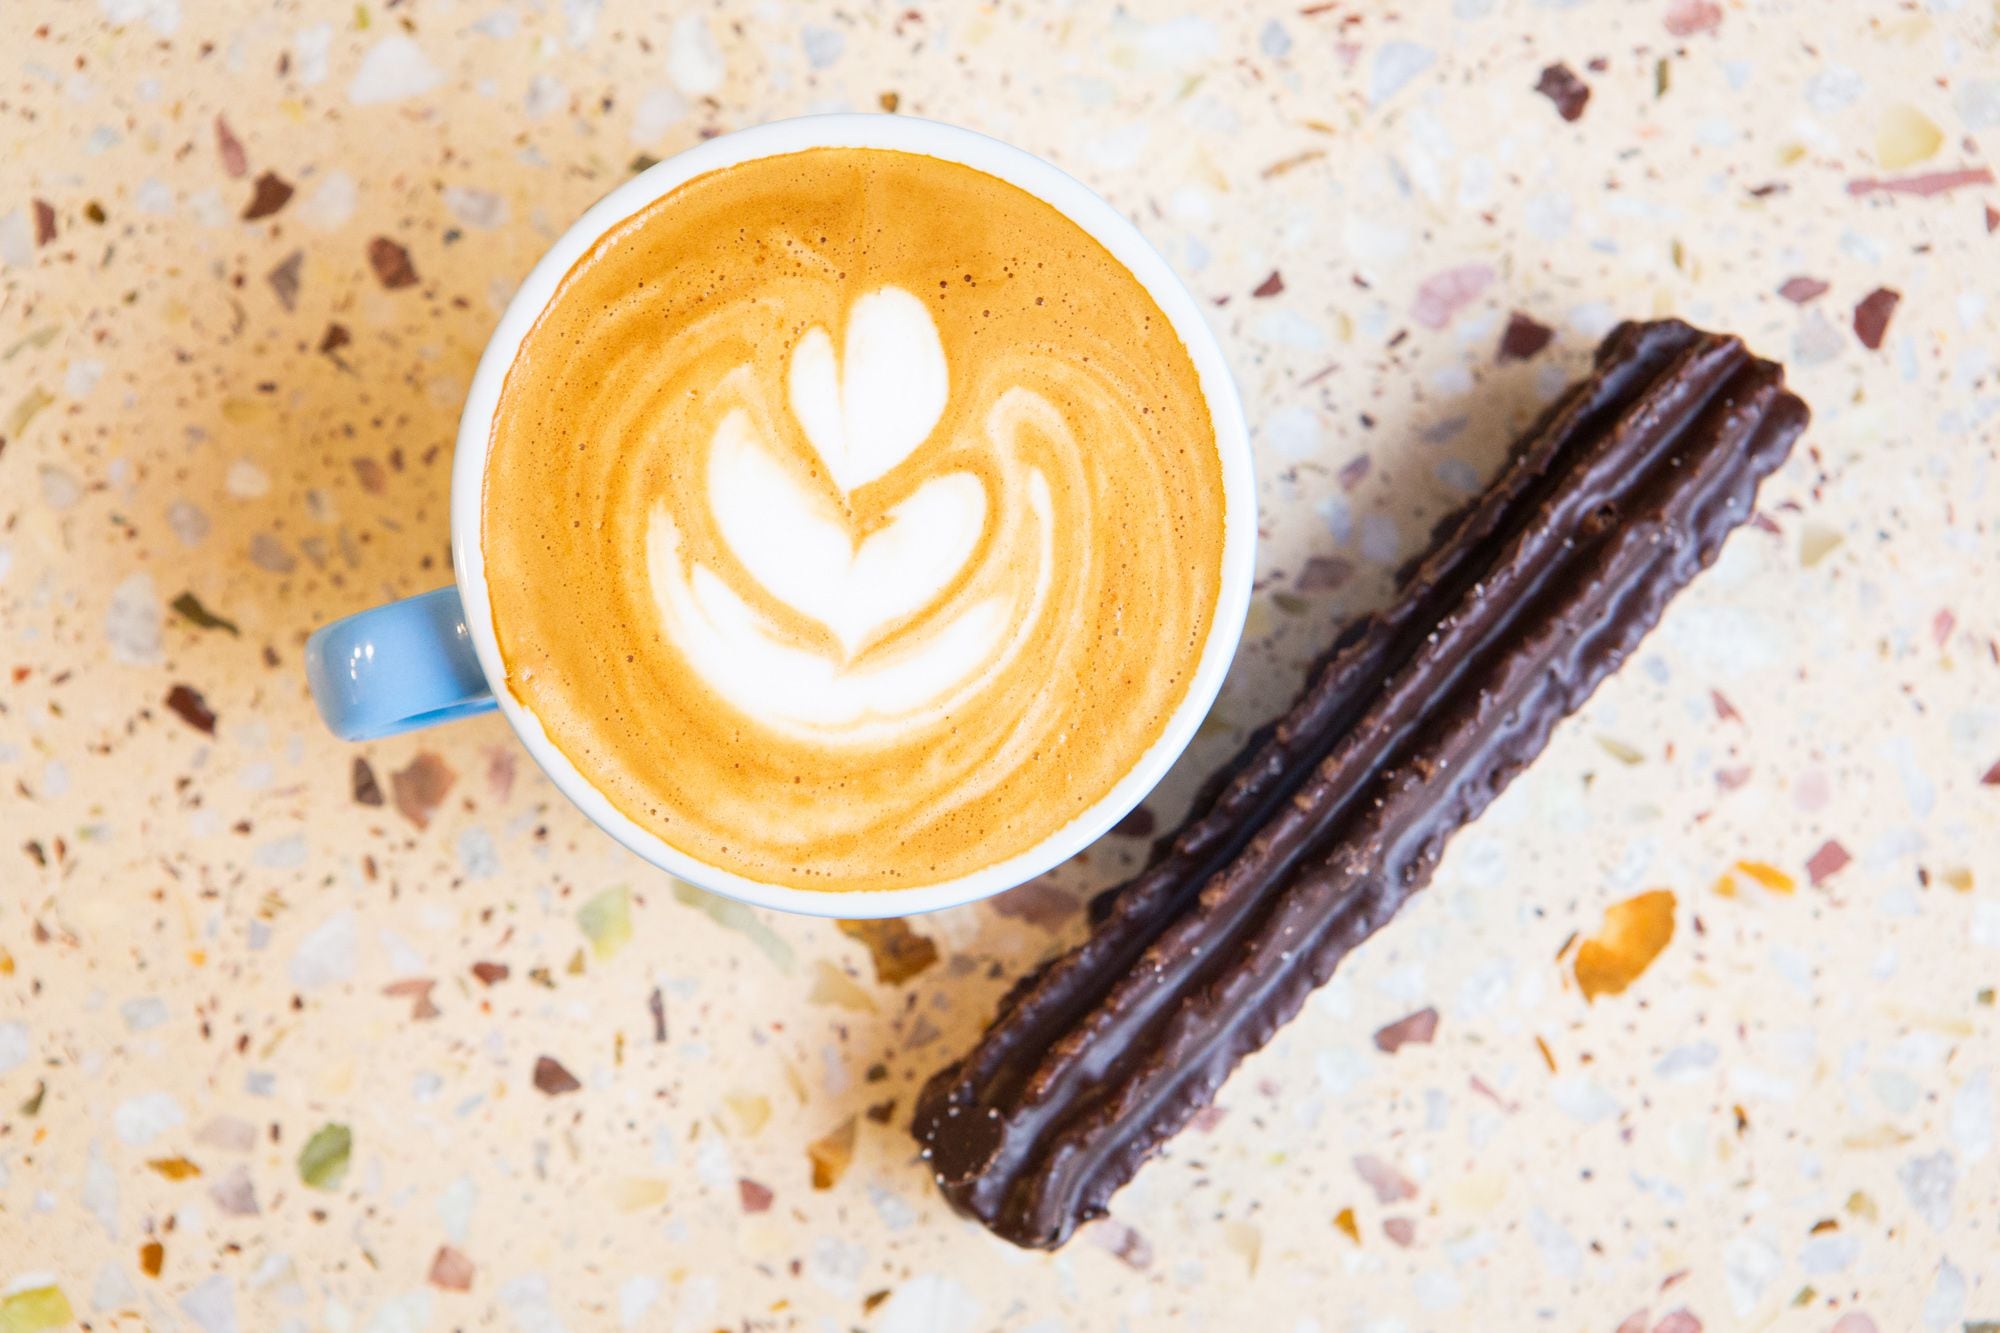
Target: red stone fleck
{"points": [[1923, 186], [1485, 1089], [1802, 289], [1389, 1184], [1400, 1230], [1828, 861], [417, 989], [1442, 295], [1270, 286], [1419, 1028], [1560, 84], [1724, 710], [756, 1198], [234, 161], [450, 1270], [500, 771], [1685, 18], [1872, 316], [1208, 1117]]}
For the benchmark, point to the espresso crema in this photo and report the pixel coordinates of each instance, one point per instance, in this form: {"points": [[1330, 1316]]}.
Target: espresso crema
{"points": [[852, 519]]}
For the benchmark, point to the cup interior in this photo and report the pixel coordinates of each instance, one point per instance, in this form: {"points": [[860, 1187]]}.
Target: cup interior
{"points": [[1080, 205]]}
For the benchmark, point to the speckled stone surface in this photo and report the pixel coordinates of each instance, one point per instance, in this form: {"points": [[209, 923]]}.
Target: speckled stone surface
{"points": [[294, 1035]]}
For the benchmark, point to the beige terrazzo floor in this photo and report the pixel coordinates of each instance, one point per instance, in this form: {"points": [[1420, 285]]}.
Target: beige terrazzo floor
{"points": [[270, 1020]]}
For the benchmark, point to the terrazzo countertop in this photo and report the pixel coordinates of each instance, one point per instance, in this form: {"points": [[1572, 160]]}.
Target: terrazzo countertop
{"points": [[1696, 1029]]}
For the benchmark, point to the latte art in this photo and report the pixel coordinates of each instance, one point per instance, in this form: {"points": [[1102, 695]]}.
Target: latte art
{"points": [[852, 519], [916, 622]]}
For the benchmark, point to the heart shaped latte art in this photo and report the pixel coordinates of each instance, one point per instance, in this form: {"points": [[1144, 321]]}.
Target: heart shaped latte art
{"points": [[869, 413], [865, 408]]}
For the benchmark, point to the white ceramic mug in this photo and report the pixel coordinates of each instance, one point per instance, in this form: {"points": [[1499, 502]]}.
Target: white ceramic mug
{"points": [[435, 657]]}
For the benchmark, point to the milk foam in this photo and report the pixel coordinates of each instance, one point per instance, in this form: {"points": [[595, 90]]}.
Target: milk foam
{"points": [[864, 414], [806, 552]]}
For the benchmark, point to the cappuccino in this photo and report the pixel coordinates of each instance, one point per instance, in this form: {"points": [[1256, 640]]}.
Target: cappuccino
{"points": [[852, 519]]}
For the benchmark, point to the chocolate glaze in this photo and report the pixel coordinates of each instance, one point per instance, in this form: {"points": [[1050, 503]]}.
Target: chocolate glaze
{"points": [[1328, 820]]}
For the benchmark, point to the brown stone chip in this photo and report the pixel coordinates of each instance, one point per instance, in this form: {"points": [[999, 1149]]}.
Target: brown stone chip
{"points": [[551, 1078], [391, 263], [1560, 84], [1523, 337], [271, 193], [421, 788], [367, 791], [284, 279], [1419, 1028], [1872, 316], [191, 708]]}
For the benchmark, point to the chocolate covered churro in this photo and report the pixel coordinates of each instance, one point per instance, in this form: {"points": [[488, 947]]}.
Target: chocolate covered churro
{"points": [[1331, 818]]}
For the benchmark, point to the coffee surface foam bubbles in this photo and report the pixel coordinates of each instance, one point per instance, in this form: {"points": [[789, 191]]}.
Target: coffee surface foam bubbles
{"points": [[852, 519]]}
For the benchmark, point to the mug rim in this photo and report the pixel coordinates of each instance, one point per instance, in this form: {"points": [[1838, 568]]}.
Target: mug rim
{"points": [[1068, 196]]}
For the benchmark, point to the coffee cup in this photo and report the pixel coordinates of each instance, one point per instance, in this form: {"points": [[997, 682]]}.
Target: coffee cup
{"points": [[438, 656]]}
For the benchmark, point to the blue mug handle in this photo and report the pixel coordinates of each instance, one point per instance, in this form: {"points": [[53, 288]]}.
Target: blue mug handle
{"points": [[398, 667]]}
